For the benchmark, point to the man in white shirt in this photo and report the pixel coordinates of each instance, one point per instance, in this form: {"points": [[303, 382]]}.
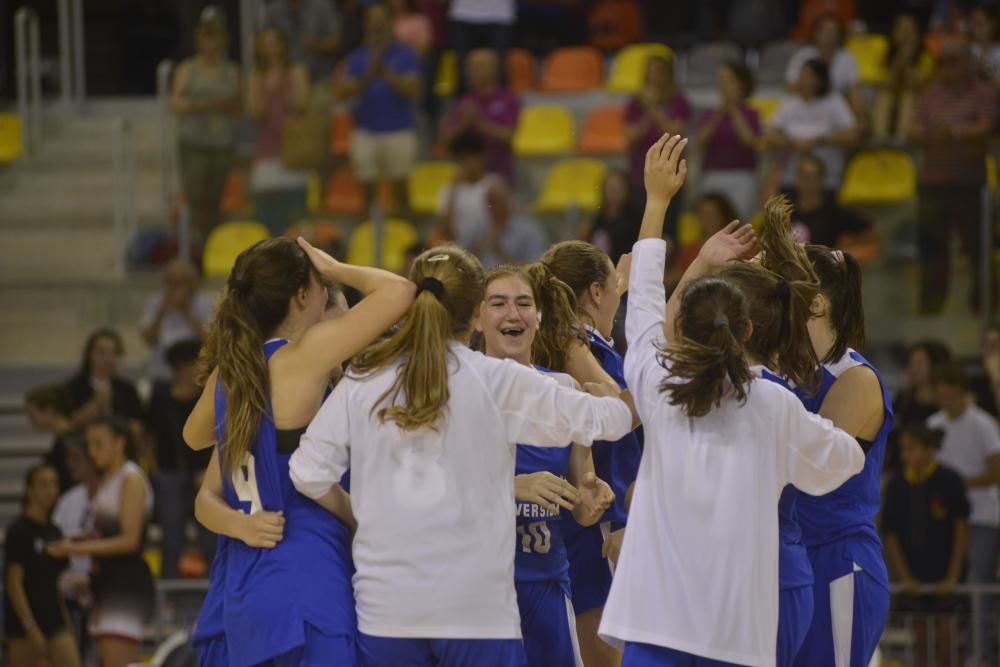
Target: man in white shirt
{"points": [[971, 447], [462, 207]]}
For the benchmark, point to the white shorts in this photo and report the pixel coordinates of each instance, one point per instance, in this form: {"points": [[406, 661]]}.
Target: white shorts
{"points": [[117, 624], [383, 155]]}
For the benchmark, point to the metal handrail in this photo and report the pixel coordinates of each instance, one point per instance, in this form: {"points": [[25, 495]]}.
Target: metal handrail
{"points": [[250, 19], [71, 52], [27, 49], [164, 71], [123, 167]]}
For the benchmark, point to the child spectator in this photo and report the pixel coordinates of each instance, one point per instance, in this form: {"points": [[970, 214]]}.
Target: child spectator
{"points": [[462, 210], [817, 217], [48, 410]]}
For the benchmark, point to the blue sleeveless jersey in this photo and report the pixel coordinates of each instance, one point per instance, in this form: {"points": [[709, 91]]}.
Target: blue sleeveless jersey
{"points": [[270, 594], [209, 625], [794, 569], [849, 511], [540, 551]]}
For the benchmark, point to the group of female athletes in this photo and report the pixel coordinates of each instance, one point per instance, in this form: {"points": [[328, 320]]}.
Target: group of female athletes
{"points": [[475, 492]]}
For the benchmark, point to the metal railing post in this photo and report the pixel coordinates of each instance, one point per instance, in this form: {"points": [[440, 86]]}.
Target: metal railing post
{"points": [[79, 79], [249, 10], [35, 77], [986, 283], [27, 59], [65, 53], [117, 205], [163, 73]]}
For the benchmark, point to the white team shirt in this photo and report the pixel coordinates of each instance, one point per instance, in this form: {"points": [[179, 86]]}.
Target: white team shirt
{"points": [[434, 549], [698, 571]]}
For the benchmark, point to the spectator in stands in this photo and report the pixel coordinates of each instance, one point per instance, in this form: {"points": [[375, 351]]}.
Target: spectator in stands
{"points": [[985, 380], [488, 110], [983, 23], [179, 312], [312, 31], [828, 45], [615, 224], [463, 213], [813, 119], [916, 401], [817, 217], [952, 122], [511, 239], [97, 390], [279, 90], [176, 464], [971, 447], [481, 23], [908, 67], [382, 78], [411, 27], [925, 520], [35, 620], [49, 410], [729, 138], [122, 584], [206, 98], [714, 211]]}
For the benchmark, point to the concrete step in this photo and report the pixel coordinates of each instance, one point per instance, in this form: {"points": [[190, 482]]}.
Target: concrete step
{"points": [[34, 444], [70, 254], [13, 468]]}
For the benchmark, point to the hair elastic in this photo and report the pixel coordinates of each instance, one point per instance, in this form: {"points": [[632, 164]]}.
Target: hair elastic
{"points": [[721, 320], [432, 285], [241, 286], [838, 255], [784, 291]]}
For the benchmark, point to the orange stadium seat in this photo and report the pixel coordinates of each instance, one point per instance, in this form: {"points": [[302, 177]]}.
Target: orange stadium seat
{"points": [[603, 131], [569, 183], [234, 196], [340, 133], [521, 66], [544, 130], [343, 193], [226, 242], [572, 69], [398, 236]]}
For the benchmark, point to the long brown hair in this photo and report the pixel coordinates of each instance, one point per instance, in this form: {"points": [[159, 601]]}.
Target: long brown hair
{"points": [[261, 285], [840, 282], [579, 265], [707, 363], [432, 321]]}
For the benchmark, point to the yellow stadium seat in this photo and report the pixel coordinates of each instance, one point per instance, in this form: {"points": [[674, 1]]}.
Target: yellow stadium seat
{"points": [[226, 242], [545, 130], [991, 174], [154, 561], [870, 51], [570, 183], [879, 177], [765, 107], [688, 230], [10, 137], [425, 184], [314, 192], [629, 66], [398, 236], [446, 83]]}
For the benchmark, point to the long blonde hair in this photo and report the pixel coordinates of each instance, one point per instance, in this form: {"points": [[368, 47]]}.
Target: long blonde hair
{"points": [[433, 320]]}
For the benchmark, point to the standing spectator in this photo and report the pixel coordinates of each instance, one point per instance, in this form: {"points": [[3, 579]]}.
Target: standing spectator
{"points": [[312, 31], [971, 447], [985, 381], [49, 410], [206, 97], [729, 137], [410, 27], [122, 583], [828, 46], [176, 464], [511, 239], [714, 211], [476, 23], [983, 23], [908, 68], [462, 209], [615, 225], [488, 110], [382, 78], [279, 89], [925, 520], [813, 119], [952, 122], [96, 390], [179, 312], [437, 13], [916, 402], [36, 624], [817, 217]]}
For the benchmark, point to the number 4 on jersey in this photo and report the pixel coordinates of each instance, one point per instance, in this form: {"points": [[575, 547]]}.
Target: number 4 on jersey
{"points": [[245, 485]]}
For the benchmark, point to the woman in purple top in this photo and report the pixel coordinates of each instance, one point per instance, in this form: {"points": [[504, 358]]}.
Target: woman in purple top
{"points": [[729, 137]]}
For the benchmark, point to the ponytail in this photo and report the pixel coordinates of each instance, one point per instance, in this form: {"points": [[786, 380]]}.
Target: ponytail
{"points": [[560, 324], [840, 282], [450, 287], [708, 362]]}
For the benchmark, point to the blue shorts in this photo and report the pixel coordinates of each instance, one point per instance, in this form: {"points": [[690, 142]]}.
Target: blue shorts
{"points": [[318, 651], [213, 653], [648, 655], [405, 652], [589, 572], [795, 611], [850, 606], [548, 624]]}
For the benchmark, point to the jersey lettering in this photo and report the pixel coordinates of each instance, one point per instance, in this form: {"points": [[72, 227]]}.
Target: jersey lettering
{"points": [[535, 538], [245, 485]]}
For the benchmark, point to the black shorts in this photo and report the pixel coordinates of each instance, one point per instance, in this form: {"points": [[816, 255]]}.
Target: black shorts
{"points": [[51, 624], [929, 604]]}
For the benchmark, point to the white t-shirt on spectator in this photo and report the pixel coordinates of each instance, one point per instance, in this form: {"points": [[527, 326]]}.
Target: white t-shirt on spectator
{"points": [[483, 11], [72, 516], [843, 71], [523, 239], [797, 118], [471, 217], [969, 442], [174, 328]]}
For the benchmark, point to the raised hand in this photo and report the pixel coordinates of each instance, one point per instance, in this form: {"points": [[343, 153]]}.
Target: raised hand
{"points": [[732, 243], [545, 489], [594, 496], [665, 170], [623, 269]]}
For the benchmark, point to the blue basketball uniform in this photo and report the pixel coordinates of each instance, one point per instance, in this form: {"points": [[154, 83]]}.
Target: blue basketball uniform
{"points": [[541, 568], [650, 655], [851, 591], [209, 637], [278, 601], [407, 652], [795, 578], [617, 463]]}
